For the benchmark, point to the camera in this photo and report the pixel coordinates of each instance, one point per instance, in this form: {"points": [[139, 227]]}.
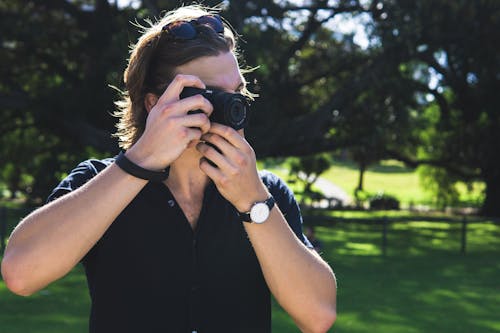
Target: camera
{"points": [[229, 109]]}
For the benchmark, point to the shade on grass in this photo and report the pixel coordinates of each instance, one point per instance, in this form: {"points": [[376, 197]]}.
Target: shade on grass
{"points": [[422, 285]]}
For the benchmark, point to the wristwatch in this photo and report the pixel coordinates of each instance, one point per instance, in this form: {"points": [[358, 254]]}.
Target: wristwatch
{"points": [[259, 212]]}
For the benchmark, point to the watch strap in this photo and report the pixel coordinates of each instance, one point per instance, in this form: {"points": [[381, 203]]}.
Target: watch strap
{"points": [[135, 170], [245, 217]]}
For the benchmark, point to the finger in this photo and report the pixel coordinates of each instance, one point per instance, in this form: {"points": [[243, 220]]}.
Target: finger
{"points": [[183, 106], [196, 102], [175, 88], [211, 171], [199, 120], [191, 134], [230, 135], [216, 157], [222, 144]]}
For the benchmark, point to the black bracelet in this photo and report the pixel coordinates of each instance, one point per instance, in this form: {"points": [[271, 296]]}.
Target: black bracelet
{"points": [[133, 169]]}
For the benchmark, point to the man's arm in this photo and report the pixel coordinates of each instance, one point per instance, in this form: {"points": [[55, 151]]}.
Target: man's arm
{"points": [[299, 279], [49, 242]]}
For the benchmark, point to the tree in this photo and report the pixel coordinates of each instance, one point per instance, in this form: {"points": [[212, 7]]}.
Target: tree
{"points": [[448, 40], [319, 91], [54, 97], [307, 171], [62, 62]]}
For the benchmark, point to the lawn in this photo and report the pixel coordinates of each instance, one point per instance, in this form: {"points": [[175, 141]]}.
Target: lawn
{"points": [[389, 177], [423, 284]]}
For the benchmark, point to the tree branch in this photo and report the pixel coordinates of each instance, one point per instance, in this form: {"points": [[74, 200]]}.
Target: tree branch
{"points": [[445, 164], [429, 59], [440, 99]]}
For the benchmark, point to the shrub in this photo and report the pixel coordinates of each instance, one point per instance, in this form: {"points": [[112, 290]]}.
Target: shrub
{"points": [[384, 202]]}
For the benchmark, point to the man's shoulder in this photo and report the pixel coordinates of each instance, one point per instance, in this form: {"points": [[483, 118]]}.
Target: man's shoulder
{"points": [[270, 179], [94, 165], [81, 174], [275, 185]]}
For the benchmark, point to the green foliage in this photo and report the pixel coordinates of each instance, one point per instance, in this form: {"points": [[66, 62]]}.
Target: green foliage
{"points": [[449, 191], [307, 170], [388, 176], [439, 183], [443, 41], [423, 91], [361, 197], [384, 201]]}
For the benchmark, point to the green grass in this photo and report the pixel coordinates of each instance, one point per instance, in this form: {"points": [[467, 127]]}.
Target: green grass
{"points": [[390, 177], [423, 284], [61, 307]]}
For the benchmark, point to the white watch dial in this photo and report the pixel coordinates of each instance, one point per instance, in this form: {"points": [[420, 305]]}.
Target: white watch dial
{"points": [[259, 212]]}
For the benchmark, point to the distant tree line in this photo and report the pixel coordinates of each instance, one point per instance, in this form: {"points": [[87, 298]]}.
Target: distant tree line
{"points": [[424, 91]]}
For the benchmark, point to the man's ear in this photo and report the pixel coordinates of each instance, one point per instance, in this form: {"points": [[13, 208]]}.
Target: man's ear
{"points": [[149, 101]]}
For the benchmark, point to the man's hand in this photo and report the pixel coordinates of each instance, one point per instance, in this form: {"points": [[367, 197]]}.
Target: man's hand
{"points": [[169, 128], [235, 173]]}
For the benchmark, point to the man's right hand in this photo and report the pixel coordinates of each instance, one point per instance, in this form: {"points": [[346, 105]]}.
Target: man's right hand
{"points": [[169, 128]]}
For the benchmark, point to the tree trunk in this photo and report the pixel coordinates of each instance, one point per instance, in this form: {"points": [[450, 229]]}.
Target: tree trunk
{"points": [[362, 169], [491, 204]]}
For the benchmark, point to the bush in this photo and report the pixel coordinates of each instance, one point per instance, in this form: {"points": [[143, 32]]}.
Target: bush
{"points": [[383, 201]]}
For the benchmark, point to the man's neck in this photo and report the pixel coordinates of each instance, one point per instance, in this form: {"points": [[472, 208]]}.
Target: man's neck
{"points": [[186, 178]]}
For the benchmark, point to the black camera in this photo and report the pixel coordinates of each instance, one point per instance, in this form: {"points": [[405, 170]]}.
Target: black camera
{"points": [[229, 109]]}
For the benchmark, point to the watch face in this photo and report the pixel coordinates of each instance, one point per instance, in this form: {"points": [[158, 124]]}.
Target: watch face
{"points": [[259, 212]]}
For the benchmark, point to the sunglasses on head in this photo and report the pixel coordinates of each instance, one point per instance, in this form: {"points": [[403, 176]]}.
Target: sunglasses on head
{"points": [[185, 30]]}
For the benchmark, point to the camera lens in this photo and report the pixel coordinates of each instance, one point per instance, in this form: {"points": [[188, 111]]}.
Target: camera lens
{"points": [[237, 113]]}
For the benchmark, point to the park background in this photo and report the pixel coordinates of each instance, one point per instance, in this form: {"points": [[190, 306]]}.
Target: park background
{"points": [[364, 106]]}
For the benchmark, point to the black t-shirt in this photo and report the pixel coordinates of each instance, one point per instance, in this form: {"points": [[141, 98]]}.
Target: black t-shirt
{"points": [[151, 272]]}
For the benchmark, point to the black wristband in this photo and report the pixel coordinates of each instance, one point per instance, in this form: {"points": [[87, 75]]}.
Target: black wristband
{"points": [[133, 169]]}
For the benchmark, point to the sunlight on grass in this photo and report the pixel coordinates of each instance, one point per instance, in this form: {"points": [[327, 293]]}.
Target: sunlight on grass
{"points": [[389, 177], [359, 249], [402, 183]]}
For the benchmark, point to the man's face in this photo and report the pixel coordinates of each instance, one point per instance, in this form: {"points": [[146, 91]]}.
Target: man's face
{"points": [[220, 72], [217, 72]]}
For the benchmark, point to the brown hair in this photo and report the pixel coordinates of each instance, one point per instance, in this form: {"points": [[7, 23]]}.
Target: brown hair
{"points": [[152, 63]]}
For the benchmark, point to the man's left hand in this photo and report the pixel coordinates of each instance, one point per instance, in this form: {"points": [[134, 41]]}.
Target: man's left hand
{"points": [[235, 173]]}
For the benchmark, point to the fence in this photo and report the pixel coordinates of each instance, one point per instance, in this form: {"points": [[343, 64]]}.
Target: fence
{"points": [[384, 226]]}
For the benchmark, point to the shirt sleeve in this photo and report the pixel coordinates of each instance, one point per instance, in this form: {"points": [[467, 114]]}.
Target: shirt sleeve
{"points": [[85, 171], [285, 200]]}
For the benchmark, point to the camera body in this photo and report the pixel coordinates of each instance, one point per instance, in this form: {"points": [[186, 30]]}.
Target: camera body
{"points": [[229, 109]]}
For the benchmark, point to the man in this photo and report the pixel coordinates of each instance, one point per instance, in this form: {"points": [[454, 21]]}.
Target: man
{"points": [[180, 233]]}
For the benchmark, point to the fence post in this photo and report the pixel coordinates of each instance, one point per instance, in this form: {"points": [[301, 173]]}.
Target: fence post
{"points": [[384, 236], [3, 228], [464, 235]]}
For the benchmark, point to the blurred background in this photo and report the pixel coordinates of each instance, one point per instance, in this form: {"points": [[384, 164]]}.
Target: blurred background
{"points": [[383, 116]]}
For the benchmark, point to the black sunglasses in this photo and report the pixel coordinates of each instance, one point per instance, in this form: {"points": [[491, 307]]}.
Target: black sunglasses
{"points": [[185, 30]]}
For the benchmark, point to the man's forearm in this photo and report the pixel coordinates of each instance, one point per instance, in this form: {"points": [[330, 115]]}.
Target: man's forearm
{"points": [[299, 279], [49, 242]]}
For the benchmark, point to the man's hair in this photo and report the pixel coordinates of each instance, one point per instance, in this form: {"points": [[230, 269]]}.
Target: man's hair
{"points": [[152, 63]]}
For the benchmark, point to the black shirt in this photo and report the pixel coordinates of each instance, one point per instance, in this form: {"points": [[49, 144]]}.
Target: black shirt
{"points": [[151, 272]]}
